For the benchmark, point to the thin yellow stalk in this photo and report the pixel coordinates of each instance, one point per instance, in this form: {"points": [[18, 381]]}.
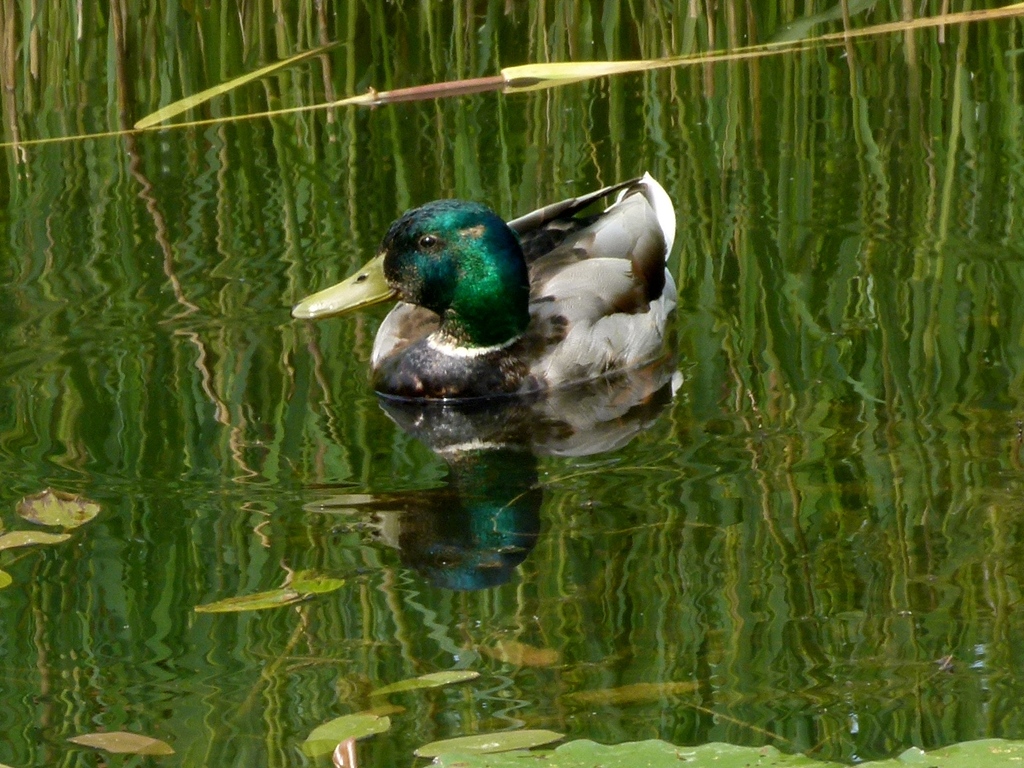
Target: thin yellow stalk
{"points": [[532, 76]]}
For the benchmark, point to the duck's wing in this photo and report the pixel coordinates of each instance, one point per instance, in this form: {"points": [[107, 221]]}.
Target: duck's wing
{"points": [[600, 301], [638, 228], [563, 209], [543, 230]]}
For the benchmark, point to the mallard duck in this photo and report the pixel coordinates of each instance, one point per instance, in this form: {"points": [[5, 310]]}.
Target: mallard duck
{"points": [[493, 308]]}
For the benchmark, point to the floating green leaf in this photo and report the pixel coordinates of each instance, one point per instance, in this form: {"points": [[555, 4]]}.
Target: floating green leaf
{"points": [[5, 581], [484, 743], [650, 754], [303, 584], [433, 680], [987, 753], [324, 738], [57, 508], [123, 742], [984, 753], [260, 601], [310, 583], [28, 538]]}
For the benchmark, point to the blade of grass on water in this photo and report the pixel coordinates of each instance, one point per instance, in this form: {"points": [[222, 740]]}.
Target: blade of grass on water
{"points": [[183, 105]]}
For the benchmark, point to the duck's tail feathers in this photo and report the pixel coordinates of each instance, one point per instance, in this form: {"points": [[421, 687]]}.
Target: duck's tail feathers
{"points": [[660, 202]]}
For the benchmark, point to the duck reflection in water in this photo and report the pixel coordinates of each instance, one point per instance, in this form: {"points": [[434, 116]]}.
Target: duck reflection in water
{"points": [[475, 530]]}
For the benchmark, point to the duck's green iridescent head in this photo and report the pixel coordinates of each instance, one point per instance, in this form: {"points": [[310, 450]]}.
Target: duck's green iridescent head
{"points": [[460, 260], [454, 257]]}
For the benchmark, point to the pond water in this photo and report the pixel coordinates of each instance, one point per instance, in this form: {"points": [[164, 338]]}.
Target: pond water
{"points": [[811, 537]]}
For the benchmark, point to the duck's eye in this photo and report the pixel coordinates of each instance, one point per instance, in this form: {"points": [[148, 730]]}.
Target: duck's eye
{"points": [[427, 241]]}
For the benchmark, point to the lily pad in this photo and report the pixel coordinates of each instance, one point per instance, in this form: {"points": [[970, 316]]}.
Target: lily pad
{"points": [[433, 680], [5, 581], [986, 753], [28, 538], [323, 739], [57, 508], [485, 743], [259, 601], [123, 742], [983, 753], [660, 753]]}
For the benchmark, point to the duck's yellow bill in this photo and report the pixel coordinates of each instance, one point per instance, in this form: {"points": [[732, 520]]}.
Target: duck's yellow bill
{"points": [[367, 286]]}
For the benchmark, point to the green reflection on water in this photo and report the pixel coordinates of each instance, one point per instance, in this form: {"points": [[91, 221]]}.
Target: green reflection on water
{"points": [[828, 508]]}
